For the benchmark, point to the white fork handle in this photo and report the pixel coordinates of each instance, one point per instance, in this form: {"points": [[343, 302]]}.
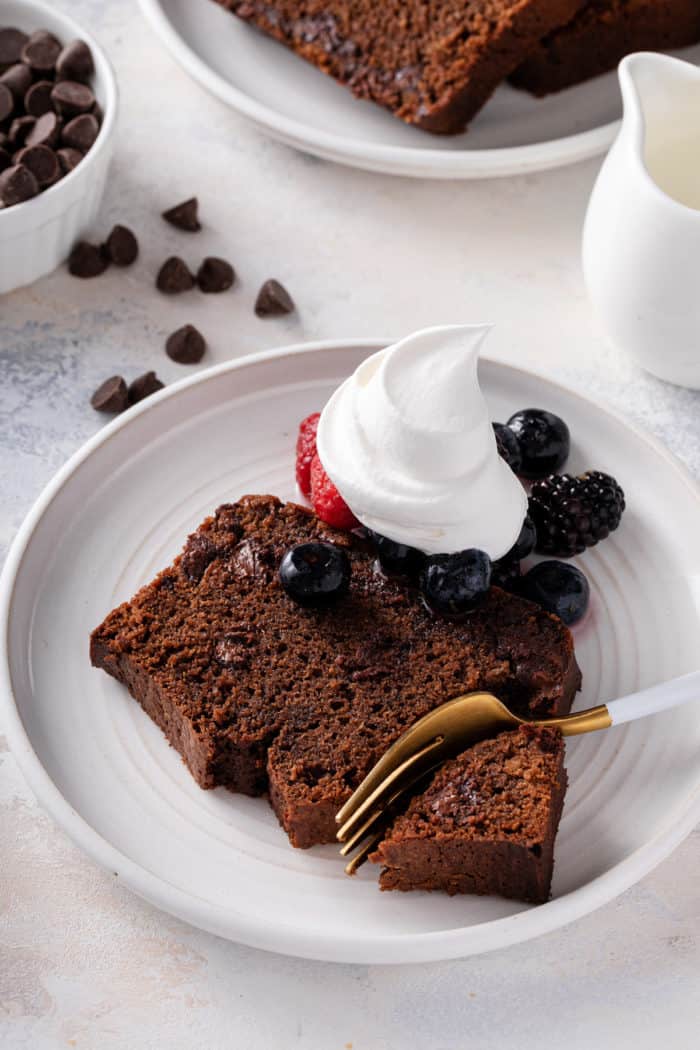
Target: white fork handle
{"points": [[658, 698]]}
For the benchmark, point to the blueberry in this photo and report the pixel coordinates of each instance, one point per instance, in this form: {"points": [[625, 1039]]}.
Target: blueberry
{"points": [[508, 446], [559, 588], [397, 559], [506, 574], [543, 439], [453, 584], [315, 573], [525, 543]]}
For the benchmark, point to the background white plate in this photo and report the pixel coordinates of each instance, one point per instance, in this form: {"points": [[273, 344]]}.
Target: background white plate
{"points": [[120, 510], [297, 104]]}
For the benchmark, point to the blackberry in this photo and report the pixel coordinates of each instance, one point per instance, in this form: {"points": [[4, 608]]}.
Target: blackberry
{"points": [[572, 513]]}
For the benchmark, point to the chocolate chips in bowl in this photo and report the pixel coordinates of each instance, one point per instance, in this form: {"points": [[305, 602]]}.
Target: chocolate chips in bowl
{"points": [[58, 102]]}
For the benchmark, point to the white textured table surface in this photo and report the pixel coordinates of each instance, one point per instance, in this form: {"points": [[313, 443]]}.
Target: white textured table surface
{"points": [[82, 962]]}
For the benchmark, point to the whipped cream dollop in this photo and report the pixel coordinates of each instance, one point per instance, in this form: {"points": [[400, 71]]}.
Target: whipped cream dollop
{"points": [[408, 442]]}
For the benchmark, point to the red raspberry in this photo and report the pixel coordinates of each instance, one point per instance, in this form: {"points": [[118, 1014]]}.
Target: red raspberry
{"points": [[327, 501], [306, 450]]}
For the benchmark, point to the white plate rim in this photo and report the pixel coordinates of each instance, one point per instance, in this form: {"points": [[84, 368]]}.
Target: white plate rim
{"points": [[392, 160], [387, 949]]}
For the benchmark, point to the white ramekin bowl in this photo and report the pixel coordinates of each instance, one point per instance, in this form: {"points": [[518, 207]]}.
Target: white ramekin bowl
{"points": [[37, 236]]}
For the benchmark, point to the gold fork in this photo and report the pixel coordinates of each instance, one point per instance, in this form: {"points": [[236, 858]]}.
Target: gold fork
{"points": [[452, 727]]}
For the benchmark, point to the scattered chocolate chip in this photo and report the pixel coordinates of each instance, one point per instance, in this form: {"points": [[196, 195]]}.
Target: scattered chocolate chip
{"points": [[41, 51], [42, 162], [184, 215], [37, 101], [86, 260], [75, 61], [81, 132], [273, 300], [18, 79], [144, 386], [199, 552], [174, 277], [69, 98], [11, 43], [19, 129], [7, 102], [121, 246], [17, 184], [215, 275], [46, 131], [5, 159], [111, 396], [69, 159], [186, 345], [5, 140]]}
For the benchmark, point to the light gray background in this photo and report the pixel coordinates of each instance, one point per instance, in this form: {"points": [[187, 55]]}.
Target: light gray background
{"points": [[82, 962]]}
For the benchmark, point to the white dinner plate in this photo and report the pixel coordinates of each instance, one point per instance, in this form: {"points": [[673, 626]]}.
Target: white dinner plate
{"points": [[121, 509], [297, 104]]}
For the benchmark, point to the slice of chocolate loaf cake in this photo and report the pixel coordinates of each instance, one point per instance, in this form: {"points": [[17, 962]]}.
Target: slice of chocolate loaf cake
{"points": [[433, 63], [600, 36], [258, 693], [485, 824]]}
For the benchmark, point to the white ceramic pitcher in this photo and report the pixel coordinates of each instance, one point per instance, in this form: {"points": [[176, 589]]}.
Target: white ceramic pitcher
{"points": [[641, 241]]}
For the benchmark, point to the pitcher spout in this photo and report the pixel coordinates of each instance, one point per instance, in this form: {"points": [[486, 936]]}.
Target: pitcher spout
{"points": [[661, 122]]}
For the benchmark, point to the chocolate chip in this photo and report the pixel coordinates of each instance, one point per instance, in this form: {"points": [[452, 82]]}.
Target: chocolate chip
{"points": [[69, 159], [7, 102], [11, 43], [41, 51], [86, 260], [46, 131], [37, 101], [18, 78], [17, 184], [97, 113], [111, 396], [174, 277], [5, 140], [81, 132], [19, 129], [229, 652], [5, 159], [184, 215], [70, 98], [75, 61], [273, 300], [215, 275], [42, 162], [186, 345], [121, 246], [199, 552], [144, 386]]}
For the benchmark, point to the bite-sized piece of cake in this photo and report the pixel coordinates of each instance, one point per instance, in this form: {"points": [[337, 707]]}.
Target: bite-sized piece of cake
{"points": [[600, 36], [257, 692], [433, 64], [486, 823]]}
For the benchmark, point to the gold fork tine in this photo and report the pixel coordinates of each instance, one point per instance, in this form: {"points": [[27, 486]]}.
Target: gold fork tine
{"points": [[377, 802], [445, 722], [362, 854], [414, 771]]}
